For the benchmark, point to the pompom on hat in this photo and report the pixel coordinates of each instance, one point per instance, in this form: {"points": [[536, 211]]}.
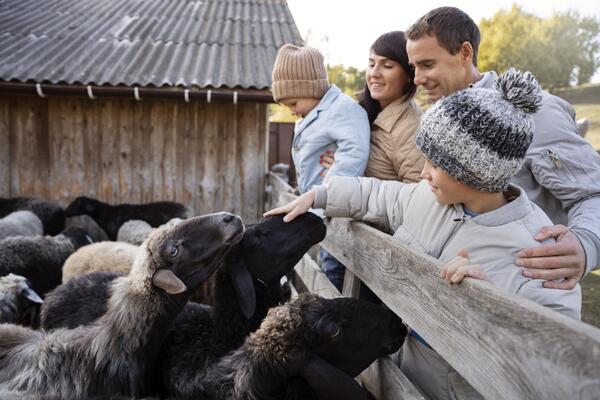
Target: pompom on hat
{"points": [[480, 136], [299, 72]]}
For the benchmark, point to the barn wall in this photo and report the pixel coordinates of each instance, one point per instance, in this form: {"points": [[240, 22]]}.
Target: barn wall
{"points": [[211, 157]]}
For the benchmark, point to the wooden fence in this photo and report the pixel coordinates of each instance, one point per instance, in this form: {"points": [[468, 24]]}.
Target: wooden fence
{"points": [[505, 346]]}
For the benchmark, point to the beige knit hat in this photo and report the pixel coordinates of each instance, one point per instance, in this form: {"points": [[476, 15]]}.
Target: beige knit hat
{"points": [[299, 72]]}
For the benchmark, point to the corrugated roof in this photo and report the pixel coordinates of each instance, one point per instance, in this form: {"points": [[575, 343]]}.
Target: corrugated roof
{"points": [[206, 43]]}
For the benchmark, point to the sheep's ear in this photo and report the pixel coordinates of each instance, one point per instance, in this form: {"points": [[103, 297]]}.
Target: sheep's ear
{"points": [[244, 289], [32, 296], [167, 281]]}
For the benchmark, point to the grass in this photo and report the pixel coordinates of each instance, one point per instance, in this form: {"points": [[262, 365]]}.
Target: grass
{"points": [[586, 101]]}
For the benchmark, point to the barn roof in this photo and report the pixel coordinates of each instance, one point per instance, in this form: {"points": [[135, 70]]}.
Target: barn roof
{"points": [[203, 43]]}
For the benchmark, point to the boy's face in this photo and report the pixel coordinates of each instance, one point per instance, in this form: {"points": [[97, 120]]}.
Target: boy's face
{"points": [[436, 70], [446, 189], [300, 106]]}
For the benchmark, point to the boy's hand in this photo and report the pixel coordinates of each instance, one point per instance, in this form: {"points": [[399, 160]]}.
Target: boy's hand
{"points": [[327, 159], [460, 267], [561, 264], [299, 206]]}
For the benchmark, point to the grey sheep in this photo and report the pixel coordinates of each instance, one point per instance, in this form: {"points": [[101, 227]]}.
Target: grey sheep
{"points": [[310, 348], [115, 355], [19, 303], [135, 231], [50, 213], [40, 258], [21, 223], [111, 217], [100, 257]]}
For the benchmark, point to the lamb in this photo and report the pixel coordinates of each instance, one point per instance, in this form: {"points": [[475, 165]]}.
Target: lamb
{"points": [[21, 223], [111, 217], [115, 355], [135, 231], [19, 304], [40, 258], [305, 349], [86, 223], [100, 257], [50, 213]]}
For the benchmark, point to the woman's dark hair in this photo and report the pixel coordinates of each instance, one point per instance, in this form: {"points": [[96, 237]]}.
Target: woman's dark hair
{"points": [[391, 45]]}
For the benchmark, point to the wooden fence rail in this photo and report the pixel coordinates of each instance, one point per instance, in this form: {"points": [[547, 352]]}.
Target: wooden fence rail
{"points": [[505, 346]]}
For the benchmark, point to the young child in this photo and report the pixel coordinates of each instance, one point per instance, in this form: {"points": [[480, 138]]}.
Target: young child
{"points": [[331, 121], [474, 141]]}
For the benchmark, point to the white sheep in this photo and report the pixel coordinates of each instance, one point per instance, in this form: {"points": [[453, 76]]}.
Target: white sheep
{"points": [[100, 257]]}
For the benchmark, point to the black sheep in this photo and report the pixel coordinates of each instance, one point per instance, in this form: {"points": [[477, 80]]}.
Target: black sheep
{"points": [[50, 213], [116, 354], [111, 217], [244, 289], [306, 349], [40, 258]]}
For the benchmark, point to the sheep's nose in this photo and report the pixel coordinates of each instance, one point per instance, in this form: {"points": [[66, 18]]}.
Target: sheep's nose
{"points": [[228, 218]]}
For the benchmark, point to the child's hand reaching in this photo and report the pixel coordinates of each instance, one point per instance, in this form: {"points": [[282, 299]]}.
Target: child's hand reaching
{"points": [[299, 206], [460, 268]]}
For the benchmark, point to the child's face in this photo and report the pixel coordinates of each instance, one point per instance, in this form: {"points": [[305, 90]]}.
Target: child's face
{"points": [[446, 189], [300, 106]]}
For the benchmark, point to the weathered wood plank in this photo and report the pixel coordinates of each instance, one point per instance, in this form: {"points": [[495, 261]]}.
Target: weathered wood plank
{"points": [[507, 347], [309, 278], [384, 380], [5, 159], [351, 286]]}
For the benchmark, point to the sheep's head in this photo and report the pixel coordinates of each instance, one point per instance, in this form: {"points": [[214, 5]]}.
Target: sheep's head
{"points": [[185, 255], [19, 303], [349, 333], [82, 205], [270, 250]]}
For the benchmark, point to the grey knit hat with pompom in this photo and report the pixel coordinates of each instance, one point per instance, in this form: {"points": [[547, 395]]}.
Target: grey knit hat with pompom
{"points": [[480, 136]]}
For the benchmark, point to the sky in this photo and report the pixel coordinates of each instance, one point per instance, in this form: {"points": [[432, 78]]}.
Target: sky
{"points": [[344, 30]]}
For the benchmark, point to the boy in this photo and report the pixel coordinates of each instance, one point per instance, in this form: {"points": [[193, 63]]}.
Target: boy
{"points": [[331, 121], [474, 141]]}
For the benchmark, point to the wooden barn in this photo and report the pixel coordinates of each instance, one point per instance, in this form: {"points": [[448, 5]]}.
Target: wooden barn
{"points": [[139, 100]]}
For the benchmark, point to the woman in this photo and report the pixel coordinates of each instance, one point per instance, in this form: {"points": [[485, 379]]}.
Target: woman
{"points": [[393, 115]]}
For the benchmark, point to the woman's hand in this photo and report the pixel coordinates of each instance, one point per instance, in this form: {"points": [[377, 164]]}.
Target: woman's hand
{"points": [[327, 159], [299, 206], [460, 267]]}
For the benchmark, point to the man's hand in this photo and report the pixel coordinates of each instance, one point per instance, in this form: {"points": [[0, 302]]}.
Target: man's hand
{"points": [[299, 206], [564, 259], [460, 267]]}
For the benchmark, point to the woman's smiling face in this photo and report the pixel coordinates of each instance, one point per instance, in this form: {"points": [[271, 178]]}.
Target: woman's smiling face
{"points": [[386, 79]]}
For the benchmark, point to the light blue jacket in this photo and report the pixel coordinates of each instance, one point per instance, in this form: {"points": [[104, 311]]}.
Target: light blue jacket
{"points": [[338, 124]]}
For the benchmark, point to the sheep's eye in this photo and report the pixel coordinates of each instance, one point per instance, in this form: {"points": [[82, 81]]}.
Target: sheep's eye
{"points": [[174, 251]]}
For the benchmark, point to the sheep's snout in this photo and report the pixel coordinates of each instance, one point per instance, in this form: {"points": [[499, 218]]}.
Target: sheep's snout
{"points": [[398, 334]]}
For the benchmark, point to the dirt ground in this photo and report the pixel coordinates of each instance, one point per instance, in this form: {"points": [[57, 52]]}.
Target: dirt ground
{"points": [[591, 299]]}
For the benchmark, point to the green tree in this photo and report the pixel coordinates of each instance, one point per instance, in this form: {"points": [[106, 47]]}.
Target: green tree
{"points": [[561, 50], [349, 79]]}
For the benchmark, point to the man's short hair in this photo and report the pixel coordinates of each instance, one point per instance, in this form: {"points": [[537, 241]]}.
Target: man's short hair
{"points": [[450, 26]]}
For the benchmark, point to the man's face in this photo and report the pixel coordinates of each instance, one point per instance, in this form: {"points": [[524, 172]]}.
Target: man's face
{"points": [[436, 70]]}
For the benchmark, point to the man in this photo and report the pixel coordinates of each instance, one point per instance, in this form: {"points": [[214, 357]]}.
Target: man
{"points": [[561, 173]]}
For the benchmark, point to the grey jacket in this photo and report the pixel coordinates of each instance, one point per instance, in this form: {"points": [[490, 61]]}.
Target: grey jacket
{"points": [[561, 173], [412, 214]]}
